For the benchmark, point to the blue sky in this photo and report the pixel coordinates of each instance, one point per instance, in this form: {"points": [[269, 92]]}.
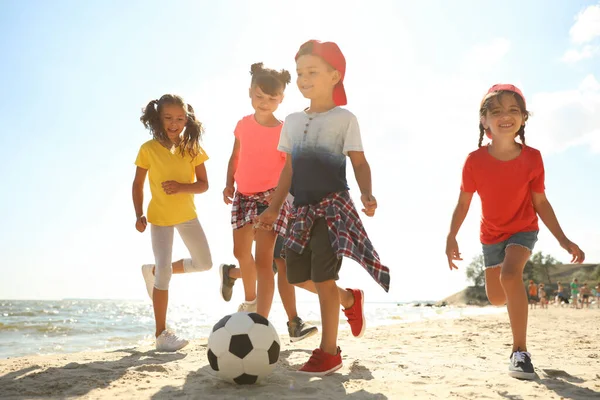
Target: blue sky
{"points": [[75, 75]]}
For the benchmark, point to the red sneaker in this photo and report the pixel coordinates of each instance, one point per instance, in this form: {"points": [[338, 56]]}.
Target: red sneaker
{"points": [[356, 314], [321, 363]]}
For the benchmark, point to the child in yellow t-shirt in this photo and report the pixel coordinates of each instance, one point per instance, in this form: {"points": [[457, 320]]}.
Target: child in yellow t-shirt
{"points": [[174, 163]]}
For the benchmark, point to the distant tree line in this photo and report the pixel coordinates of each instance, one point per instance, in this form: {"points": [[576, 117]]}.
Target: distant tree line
{"points": [[539, 268]]}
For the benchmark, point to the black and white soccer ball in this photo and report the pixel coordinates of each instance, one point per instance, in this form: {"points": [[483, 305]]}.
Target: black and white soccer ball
{"points": [[243, 348]]}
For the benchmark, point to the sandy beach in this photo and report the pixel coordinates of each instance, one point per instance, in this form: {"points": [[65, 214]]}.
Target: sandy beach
{"points": [[442, 359]]}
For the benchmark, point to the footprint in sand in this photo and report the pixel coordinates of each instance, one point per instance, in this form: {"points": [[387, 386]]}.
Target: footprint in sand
{"points": [[151, 368]]}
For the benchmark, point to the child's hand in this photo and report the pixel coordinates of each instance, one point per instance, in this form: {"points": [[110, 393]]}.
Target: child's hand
{"points": [[141, 223], [452, 252], [228, 194], [370, 204], [266, 220], [574, 250], [171, 187]]}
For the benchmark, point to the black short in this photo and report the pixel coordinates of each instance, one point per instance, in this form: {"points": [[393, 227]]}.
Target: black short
{"points": [[318, 262]]}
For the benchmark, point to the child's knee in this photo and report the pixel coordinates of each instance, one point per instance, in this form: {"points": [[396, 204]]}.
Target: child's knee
{"points": [[197, 264], [303, 285], [241, 254], [511, 276], [162, 277], [497, 299], [325, 285]]}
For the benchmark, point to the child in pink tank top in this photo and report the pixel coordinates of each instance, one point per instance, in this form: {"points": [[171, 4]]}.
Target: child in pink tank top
{"points": [[252, 176]]}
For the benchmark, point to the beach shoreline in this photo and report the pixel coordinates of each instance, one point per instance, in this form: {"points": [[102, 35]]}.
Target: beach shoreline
{"points": [[464, 357]]}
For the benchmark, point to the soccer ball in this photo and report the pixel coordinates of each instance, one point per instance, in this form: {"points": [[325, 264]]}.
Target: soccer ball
{"points": [[243, 348]]}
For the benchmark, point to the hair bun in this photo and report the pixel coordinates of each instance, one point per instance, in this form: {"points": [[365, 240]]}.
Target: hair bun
{"points": [[285, 76], [256, 68]]}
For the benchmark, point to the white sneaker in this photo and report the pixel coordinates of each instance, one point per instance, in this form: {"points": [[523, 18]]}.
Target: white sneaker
{"points": [[149, 278], [168, 341], [248, 306]]}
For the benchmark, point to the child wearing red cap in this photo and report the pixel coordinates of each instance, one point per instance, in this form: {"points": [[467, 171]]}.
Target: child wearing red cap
{"points": [[326, 225], [509, 177]]}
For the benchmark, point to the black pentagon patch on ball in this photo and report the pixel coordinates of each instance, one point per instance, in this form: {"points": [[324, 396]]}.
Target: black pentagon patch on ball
{"points": [[240, 345], [221, 323], [245, 379], [212, 360], [258, 319], [273, 353]]}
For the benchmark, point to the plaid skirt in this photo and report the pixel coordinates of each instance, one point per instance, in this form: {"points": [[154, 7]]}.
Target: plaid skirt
{"points": [[245, 209]]}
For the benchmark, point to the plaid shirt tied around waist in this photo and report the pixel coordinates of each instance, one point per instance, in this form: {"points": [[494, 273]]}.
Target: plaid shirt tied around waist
{"points": [[245, 210], [346, 233]]}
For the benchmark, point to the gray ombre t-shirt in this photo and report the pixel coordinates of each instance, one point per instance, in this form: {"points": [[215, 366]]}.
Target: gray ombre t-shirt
{"points": [[319, 144]]}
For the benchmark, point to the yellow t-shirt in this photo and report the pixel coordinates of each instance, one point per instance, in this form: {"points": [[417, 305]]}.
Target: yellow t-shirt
{"points": [[162, 165]]}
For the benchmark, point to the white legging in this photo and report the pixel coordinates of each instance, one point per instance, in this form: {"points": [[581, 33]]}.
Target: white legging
{"points": [[193, 237]]}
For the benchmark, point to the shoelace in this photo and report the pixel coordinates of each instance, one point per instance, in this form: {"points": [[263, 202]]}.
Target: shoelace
{"points": [[519, 356], [171, 337]]}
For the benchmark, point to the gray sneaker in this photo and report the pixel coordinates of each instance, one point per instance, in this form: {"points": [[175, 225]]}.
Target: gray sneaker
{"points": [[226, 282], [299, 329], [520, 366]]}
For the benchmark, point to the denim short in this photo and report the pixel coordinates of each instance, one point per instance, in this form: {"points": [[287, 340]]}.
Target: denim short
{"points": [[493, 254]]}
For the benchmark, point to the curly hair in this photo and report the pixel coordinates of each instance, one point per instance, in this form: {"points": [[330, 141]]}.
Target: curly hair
{"points": [[190, 143]]}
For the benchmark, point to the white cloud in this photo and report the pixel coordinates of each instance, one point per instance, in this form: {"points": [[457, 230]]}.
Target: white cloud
{"points": [[572, 56], [587, 25], [585, 29], [567, 118]]}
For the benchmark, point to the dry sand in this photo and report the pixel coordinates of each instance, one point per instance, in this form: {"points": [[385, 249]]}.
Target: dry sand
{"points": [[444, 359]]}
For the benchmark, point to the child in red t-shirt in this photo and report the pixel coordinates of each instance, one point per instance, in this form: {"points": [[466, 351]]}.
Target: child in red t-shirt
{"points": [[509, 178]]}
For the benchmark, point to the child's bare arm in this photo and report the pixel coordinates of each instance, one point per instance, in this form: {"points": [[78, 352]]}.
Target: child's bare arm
{"points": [[362, 171], [201, 184], [283, 187], [231, 167], [267, 218], [138, 191], [546, 212], [458, 217], [229, 190]]}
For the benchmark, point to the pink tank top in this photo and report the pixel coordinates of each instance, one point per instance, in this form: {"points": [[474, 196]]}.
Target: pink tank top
{"points": [[259, 162]]}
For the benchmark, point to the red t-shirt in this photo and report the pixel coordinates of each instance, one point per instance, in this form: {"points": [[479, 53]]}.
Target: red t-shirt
{"points": [[505, 190], [259, 162]]}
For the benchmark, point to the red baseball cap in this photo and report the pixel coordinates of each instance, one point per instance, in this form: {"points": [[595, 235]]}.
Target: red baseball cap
{"points": [[505, 87], [332, 55]]}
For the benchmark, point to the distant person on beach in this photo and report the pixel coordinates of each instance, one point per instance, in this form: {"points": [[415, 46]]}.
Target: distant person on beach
{"points": [[561, 297], [598, 295], [533, 294], [509, 178], [542, 296], [327, 225], [174, 163], [585, 295], [252, 175], [575, 293]]}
